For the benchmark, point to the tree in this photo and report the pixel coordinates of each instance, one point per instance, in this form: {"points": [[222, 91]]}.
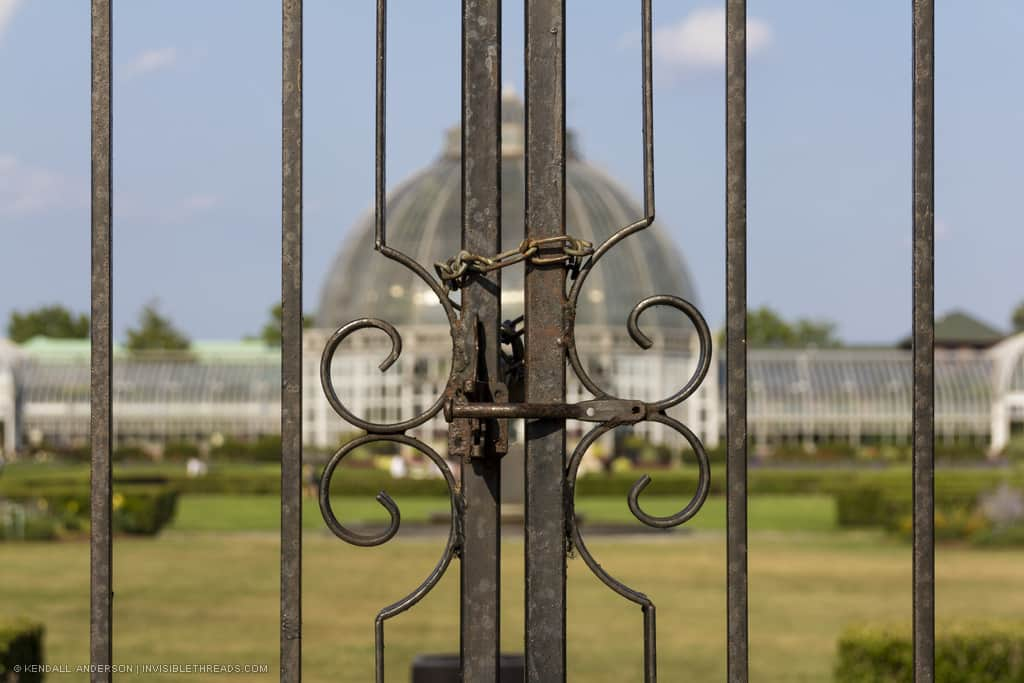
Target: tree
{"points": [[54, 321], [1018, 318], [271, 332], [767, 329], [155, 333]]}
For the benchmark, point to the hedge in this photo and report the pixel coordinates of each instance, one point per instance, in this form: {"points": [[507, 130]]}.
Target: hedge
{"points": [[141, 510], [237, 478], [21, 644], [964, 653], [25, 523], [264, 449], [888, 503]]}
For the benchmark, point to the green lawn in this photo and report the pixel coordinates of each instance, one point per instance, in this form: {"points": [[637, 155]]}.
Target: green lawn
{"points": [[213, 596], [263, 513]]}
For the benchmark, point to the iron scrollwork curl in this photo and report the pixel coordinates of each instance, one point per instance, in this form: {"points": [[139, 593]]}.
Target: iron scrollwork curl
{"points": [[650, 412], [394, 432], [451, 548], [644, 342], [687, 513]]}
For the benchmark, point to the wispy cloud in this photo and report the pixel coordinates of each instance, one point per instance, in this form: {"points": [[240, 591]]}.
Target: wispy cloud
{"points": [[7, 10], [199, 202], [697, 41], [150, 61], [26, 189]]}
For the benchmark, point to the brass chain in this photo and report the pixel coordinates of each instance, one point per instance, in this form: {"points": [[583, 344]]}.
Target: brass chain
{"points": [[573, 249]]}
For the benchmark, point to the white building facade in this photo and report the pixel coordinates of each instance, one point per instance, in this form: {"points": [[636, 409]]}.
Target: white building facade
{"points": [[232, 389]]}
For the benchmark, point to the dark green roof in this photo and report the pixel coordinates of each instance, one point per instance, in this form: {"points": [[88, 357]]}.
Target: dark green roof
{"points": [[958, 328]]}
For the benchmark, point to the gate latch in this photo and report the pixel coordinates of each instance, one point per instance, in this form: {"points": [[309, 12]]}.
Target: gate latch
{"points": [[469, 436]]}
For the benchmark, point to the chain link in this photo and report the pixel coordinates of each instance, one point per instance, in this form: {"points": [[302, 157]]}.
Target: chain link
{"points": [[573, 249]]}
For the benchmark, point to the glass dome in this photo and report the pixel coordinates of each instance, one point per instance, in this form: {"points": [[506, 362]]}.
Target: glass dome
{"points": [[424, 220]]}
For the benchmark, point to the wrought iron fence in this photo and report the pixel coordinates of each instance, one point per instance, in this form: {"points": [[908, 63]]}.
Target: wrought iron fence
{"points": [[489, 386]]}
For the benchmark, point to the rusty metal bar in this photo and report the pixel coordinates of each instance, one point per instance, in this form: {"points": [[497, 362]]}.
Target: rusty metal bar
{"points": [[545, 338], [481, 306], [736, 335], [291, 341], [601, 410], [924, 340], [101, 593]]}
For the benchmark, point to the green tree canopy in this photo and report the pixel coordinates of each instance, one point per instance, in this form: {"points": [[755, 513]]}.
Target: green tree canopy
{"points": [[54, 321], [768, 329], [1018, 318], [155, 333], [271, 332]]}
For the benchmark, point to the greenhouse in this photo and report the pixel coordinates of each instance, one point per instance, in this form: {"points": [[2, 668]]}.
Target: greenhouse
{"points": [[222, 389]]}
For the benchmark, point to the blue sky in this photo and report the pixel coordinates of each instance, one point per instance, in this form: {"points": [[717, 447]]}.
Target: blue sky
{"points": [[197, 147]]}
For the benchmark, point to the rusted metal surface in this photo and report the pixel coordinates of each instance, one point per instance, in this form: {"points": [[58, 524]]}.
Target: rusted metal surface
{"points": [[544, 340], [291, 342], [572, 250], [736, 336], [100, 425], [601, 410], [924, 340], [481, 309]]}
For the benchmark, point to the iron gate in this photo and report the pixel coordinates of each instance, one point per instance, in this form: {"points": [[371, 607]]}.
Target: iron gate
{"points": [[489, 386]]}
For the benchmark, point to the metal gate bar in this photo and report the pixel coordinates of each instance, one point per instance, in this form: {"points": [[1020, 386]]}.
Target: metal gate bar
{"points": [[547, 311], [545, 342], [924, 340], [481, 309], [291, 341], [736, 336], [100, 421]]}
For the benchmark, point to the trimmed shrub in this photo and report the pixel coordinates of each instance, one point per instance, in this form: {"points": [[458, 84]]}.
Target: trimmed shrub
{"points": [[180, 451], [884, 499], [129, 454], [968, 653], [1014, 451], [263, 449], [142, 510], [960, 452], [825, 452], [861, 506], [21, 644], [27, 523]]}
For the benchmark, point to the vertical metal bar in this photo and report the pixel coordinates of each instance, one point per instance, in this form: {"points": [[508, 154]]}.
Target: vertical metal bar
{"points": [[924, 340], [544, 341], [291, 341], [380, 190], [736, 334], [481, 306], [100, 424], [647, 95]]}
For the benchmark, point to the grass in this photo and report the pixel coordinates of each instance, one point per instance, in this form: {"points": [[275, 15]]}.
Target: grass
{"points": [[213, 597], [263, 513]]}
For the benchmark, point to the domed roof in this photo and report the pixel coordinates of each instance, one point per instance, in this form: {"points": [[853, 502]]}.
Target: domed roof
{"points": [[424, 220]]}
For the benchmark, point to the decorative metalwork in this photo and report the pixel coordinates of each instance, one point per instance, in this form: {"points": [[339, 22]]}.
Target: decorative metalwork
{"points": [[476, 401], [468, 408], [393, 432]]}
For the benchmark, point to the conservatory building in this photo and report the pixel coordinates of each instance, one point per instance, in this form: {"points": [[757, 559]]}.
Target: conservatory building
{"points": [[221, 389]]}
